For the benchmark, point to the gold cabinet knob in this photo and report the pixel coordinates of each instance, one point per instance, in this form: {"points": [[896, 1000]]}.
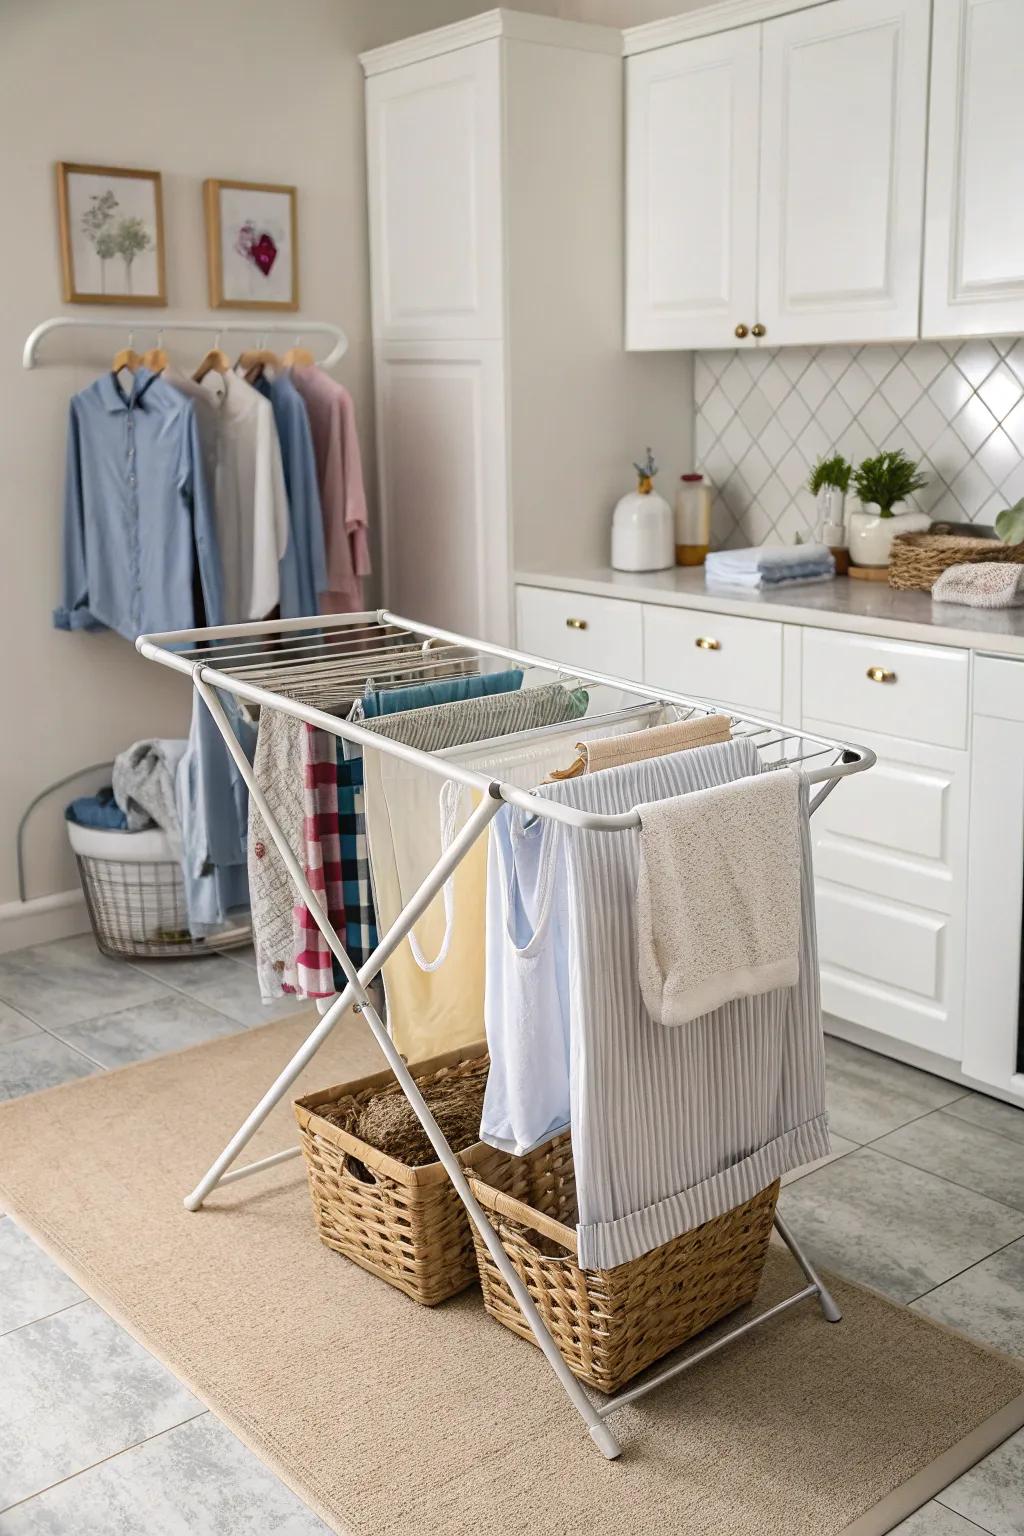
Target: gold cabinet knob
{"points": [[575, 623], [881, 675], [758, 330], [705, 643], [741, 331]]}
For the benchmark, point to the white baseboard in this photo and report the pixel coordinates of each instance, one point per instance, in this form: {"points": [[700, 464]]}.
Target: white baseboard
{"points": [[42, 919]]}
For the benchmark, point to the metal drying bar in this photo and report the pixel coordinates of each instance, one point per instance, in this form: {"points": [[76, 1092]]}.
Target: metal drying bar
{"points": [[295, 665], [210, 325]]}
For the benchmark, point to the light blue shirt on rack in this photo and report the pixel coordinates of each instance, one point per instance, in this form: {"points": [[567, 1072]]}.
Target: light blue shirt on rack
{"points": [[138, 514]]}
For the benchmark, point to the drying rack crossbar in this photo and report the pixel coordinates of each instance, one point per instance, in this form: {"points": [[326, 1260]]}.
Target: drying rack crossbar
{"points": [[302, 657]]}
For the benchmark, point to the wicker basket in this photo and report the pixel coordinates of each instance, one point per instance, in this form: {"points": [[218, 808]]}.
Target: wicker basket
{"points": [[405, 1225], [611, 1324], [917, 560]]}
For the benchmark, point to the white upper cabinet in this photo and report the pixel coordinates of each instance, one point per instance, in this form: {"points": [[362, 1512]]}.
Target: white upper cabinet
{"points": [[433, 164], [843, 109], [691, 190], [974, 241]]}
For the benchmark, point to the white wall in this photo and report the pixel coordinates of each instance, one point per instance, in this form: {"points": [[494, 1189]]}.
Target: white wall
{"points": [[261, 90]]}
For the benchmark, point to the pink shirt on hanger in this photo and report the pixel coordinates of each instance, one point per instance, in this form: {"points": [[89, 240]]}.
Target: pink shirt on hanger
{"points": [[332, 420]]}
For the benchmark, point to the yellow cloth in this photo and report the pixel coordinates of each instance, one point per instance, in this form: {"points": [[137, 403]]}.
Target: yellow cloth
{"points": [[637, 746], [410, 816]]}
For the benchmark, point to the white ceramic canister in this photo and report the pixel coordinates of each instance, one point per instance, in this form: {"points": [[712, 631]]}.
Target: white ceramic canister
{"points": [[642, 531]]}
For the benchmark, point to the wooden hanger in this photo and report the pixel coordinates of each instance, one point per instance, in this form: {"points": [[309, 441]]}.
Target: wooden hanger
{"points": [[254, 361], [298, 357], [215, 361], [126, 358], [156, 358]]}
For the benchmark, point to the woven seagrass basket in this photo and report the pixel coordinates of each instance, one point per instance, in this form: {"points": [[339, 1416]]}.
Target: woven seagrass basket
{"points": [[917, 560], [610, 1324], [404, 1224]]}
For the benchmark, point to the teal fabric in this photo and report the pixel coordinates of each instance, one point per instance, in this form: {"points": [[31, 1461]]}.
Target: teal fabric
{"points": [[389, 701]]}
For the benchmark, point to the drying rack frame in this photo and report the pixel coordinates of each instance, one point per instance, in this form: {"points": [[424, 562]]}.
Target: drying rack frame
{"points": [[249, 648]]}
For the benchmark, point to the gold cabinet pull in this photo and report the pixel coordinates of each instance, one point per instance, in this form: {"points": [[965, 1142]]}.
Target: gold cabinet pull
{"points": [[575, 623], [881, 675], [705, 643], [758, 330], [741, 331]]}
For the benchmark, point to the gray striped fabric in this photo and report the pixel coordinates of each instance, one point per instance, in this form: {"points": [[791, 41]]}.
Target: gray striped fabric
{"points": [[437, 726], [672, 1126]]}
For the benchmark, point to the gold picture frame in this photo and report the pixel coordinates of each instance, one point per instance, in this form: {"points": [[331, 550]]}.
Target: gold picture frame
{"points": [[111, 234], [252, 245]]}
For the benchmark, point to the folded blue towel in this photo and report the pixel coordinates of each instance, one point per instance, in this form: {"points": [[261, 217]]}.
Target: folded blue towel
{"points": [[762, 559]]}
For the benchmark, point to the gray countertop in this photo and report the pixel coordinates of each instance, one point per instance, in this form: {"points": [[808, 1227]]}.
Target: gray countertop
{"points": [[862, 607]]}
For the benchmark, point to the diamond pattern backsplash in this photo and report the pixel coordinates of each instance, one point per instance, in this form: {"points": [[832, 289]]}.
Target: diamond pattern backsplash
{"points": [[764, 417]]}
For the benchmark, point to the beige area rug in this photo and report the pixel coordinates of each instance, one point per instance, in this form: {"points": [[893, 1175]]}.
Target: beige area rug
{"points": [[387, 1417]]}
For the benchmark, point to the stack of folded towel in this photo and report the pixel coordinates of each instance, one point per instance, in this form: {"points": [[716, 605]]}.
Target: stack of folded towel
{"points": [[768, 566]]}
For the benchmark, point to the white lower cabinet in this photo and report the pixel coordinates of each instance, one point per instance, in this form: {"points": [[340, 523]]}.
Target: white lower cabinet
{"points": [[599, 634], [918, 862], [890, 862], [714, 656]]}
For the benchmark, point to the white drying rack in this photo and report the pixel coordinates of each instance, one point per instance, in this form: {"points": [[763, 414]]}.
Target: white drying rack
{"points": [[288, 664]]}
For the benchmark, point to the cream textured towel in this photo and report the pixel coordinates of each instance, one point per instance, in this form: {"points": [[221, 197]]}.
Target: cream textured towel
{"points": [[718, 895], [986, 584], [638, 746]]}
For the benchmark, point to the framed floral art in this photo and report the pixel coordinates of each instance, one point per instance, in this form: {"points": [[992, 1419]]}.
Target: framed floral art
{"points": [[111, 235], [251, 245]]}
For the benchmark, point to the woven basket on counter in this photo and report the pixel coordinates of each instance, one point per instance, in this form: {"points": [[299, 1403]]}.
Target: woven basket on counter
{"points": [[917, 560], [403, 1223], [610, 1324]]}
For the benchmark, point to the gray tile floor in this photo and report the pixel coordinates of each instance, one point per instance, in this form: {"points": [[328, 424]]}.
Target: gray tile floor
{"points": [[922, 1198]]}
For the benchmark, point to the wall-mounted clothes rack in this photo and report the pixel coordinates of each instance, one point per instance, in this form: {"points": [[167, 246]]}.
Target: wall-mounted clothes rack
{"points": [[211, 325], [287, 665]]}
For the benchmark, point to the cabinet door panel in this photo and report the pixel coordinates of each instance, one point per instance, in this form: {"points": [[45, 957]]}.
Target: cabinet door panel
{"points": [[885, 965], [442, 471], [691, 194], [433, 153], [842, 179], [993, 1000], [974, 242]]}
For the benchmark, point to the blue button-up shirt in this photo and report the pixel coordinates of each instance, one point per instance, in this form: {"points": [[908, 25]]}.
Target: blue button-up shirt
{"points": [[138, 515], [303, 568]]}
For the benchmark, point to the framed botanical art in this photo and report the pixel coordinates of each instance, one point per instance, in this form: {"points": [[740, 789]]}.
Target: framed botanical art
{"points": [[251, 245], [111, 235]]}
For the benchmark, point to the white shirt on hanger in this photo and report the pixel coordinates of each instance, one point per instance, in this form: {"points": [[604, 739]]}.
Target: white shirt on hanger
{"points": [[243, 459]]}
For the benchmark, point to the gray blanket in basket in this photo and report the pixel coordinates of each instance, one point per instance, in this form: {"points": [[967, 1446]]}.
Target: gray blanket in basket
{"points": [[143, 781]]}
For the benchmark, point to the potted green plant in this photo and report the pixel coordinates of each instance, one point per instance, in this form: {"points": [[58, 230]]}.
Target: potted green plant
{"points": [[883, 485], [828, 483]]}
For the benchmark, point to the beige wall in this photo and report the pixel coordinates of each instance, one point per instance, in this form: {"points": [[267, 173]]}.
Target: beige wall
{"points": [[262, 90], [255, 89], [624, 13]]}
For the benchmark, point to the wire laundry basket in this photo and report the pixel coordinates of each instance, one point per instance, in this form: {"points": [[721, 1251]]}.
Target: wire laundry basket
{"points": [[135, 897]]}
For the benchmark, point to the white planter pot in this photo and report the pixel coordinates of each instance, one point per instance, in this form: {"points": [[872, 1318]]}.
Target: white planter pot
{"points": [[871, 535]]}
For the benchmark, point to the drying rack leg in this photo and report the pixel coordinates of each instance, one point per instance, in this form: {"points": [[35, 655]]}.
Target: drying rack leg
{"points": [[826, 1300]]}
